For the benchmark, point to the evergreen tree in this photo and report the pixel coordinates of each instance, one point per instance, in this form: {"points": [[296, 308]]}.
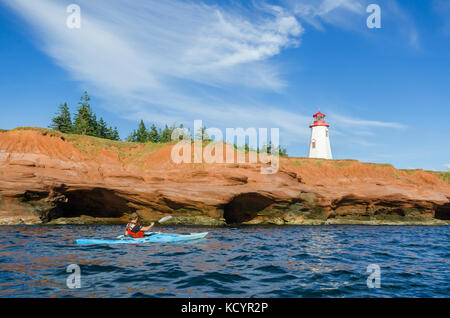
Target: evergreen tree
{"points": [[166, 134], [182, 136], [283, 152], [202, 134], [263, 149], [94, 123], [102, 129], [154, 134], [205, 135], [62, 121], [139, 135], [131, 137], [113, 134], [85, 121]]}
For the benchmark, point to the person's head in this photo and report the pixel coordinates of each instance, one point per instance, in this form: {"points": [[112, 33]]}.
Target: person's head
{"points": [[134, 217]]}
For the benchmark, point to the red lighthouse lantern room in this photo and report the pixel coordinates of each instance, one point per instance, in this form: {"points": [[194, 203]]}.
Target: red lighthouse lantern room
{"points": [[319, 120]]}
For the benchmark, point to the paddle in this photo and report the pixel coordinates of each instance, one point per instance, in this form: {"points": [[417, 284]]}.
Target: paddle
{"points": [[160, 221]]}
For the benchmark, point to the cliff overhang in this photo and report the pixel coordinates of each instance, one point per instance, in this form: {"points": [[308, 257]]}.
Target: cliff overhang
{"points": [[48, 177]]}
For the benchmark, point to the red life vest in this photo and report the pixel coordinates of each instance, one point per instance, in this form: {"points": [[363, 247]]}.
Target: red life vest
{"points": [[137, 234]]}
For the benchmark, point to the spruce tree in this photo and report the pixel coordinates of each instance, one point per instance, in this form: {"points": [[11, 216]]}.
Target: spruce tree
{"points": [[94, 123], [139, 135], [283, 152], [114, 134], [205, 135], [153, 134], [102, 129], [166, 134], [62, 121], [85, 121]]}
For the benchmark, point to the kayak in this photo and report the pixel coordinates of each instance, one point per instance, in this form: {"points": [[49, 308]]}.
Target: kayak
{"points": [[152, 237]]}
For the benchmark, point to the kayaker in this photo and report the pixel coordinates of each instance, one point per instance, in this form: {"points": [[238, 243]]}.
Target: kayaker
{"points": [[134, 229]]}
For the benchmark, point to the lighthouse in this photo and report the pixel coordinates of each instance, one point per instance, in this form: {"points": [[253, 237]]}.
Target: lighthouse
{"points": [[319, 146]]}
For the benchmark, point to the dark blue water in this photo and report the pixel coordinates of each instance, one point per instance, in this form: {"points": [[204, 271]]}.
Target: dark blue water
{"points": [[323, 261]]}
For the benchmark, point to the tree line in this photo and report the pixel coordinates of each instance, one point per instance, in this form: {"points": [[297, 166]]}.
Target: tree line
{"points": [[152, 134], [85, 123], [155, 135], [282, 152]]}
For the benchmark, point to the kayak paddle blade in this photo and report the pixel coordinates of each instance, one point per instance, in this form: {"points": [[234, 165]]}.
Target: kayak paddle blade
{"points": [[164, 219]]}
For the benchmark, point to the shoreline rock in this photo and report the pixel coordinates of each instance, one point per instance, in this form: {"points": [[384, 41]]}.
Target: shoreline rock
{"points": [[51, 178]]}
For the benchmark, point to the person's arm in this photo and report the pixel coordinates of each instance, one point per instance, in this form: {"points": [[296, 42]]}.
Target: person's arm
{"points": [[146, 228]]}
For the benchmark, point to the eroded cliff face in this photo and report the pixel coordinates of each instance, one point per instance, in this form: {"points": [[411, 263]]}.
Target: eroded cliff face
{"points": [[50, 177]]}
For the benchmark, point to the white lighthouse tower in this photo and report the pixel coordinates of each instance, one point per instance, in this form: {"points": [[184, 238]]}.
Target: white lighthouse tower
{"points": [[319, 146]]}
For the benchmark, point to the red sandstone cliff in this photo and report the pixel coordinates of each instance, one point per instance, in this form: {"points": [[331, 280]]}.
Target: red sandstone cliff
{"points": [[47, 176]]}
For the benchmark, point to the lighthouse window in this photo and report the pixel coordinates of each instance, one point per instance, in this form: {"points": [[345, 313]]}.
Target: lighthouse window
{"points": [[313, 144], [326, 132]]}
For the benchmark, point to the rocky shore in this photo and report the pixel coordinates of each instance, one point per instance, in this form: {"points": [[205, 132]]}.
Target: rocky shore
{"points": [[54, 178]]}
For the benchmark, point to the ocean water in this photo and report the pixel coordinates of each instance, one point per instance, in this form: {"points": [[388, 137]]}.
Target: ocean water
{"points": [[294, 261]]}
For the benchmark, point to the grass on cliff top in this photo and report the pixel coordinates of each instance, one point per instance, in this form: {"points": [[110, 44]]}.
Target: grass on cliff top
{"points": [[43, 131], [303, 161], [91, 146], [131, 152], [443, 175]]}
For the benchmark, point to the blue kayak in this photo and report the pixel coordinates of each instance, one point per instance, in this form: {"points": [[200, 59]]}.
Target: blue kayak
{"points": [[152, 237]]}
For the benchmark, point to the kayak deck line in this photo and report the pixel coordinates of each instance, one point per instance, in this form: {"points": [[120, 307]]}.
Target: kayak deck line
{"points": [[150, 237]]}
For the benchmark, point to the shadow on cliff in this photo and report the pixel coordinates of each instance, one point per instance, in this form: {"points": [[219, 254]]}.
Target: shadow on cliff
{"points": [[245, 207], [96, 202], [443, 212]]}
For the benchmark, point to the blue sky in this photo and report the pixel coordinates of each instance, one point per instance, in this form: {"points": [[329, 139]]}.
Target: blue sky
{"points": [[386, 92]]}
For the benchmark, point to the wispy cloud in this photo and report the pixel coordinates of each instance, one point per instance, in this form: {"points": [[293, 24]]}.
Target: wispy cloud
{"points": [[442, 9], [359, 131], [141, 45], [402, 22], [352, 122], [351, 15], [175, 61], [161, 56], [333, 12]]}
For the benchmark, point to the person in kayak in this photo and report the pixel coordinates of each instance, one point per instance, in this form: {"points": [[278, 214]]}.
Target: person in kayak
{"points": [[134, 229]]}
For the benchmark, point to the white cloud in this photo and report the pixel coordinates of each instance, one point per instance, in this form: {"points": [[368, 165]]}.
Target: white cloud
{"points": [[334, 12], [140, 45], [351, 15], [176, 61], [342, 120], [160, 58]]}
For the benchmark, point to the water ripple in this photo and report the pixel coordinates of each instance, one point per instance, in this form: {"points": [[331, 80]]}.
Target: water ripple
{"points": [[316, 261]]}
